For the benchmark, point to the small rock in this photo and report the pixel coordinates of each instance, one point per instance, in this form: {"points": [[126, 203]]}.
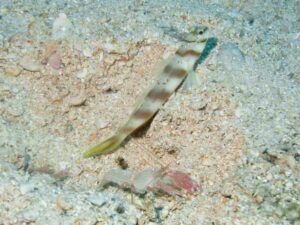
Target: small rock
{"points": [[98, 199], [101, 124], [258, 199], [62, 204], [214, 106], [82, 74], [16, 110], [230, 56], [198, 103], [30, 64], [26, 188], [87, 51], [13, 71], [78, 100]]}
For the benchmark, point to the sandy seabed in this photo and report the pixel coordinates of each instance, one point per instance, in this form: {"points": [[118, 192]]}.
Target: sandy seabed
{"points": [[71, 73]]}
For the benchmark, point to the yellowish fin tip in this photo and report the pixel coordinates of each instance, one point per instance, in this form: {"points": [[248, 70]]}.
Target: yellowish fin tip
{"points": [[105, 147]]}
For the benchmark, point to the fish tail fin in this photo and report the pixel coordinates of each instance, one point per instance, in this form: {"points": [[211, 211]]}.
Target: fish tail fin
{"points": [[105, 147]]}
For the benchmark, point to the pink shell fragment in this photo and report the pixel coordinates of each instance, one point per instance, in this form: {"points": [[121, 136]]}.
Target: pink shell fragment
{"points": [[55, 61]]}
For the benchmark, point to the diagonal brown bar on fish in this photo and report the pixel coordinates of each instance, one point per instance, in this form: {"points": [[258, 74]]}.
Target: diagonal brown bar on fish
{"points": [[172, 75]]}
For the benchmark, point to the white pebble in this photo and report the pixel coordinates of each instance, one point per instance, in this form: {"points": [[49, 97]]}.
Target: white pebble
{"points": [[98, 199], [26, 188], [30, 64], [82, 74], [87, 51], [101, 124], [78, 100]]}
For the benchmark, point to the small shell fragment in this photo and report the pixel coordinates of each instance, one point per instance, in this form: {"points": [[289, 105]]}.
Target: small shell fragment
{"points": [[13, 71], [101, 124], [77, 100], [55, 61], [98, 199], [30, 64]]}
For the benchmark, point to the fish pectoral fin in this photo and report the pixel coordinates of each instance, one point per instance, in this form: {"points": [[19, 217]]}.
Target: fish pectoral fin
{"points": [[192, 81]]}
